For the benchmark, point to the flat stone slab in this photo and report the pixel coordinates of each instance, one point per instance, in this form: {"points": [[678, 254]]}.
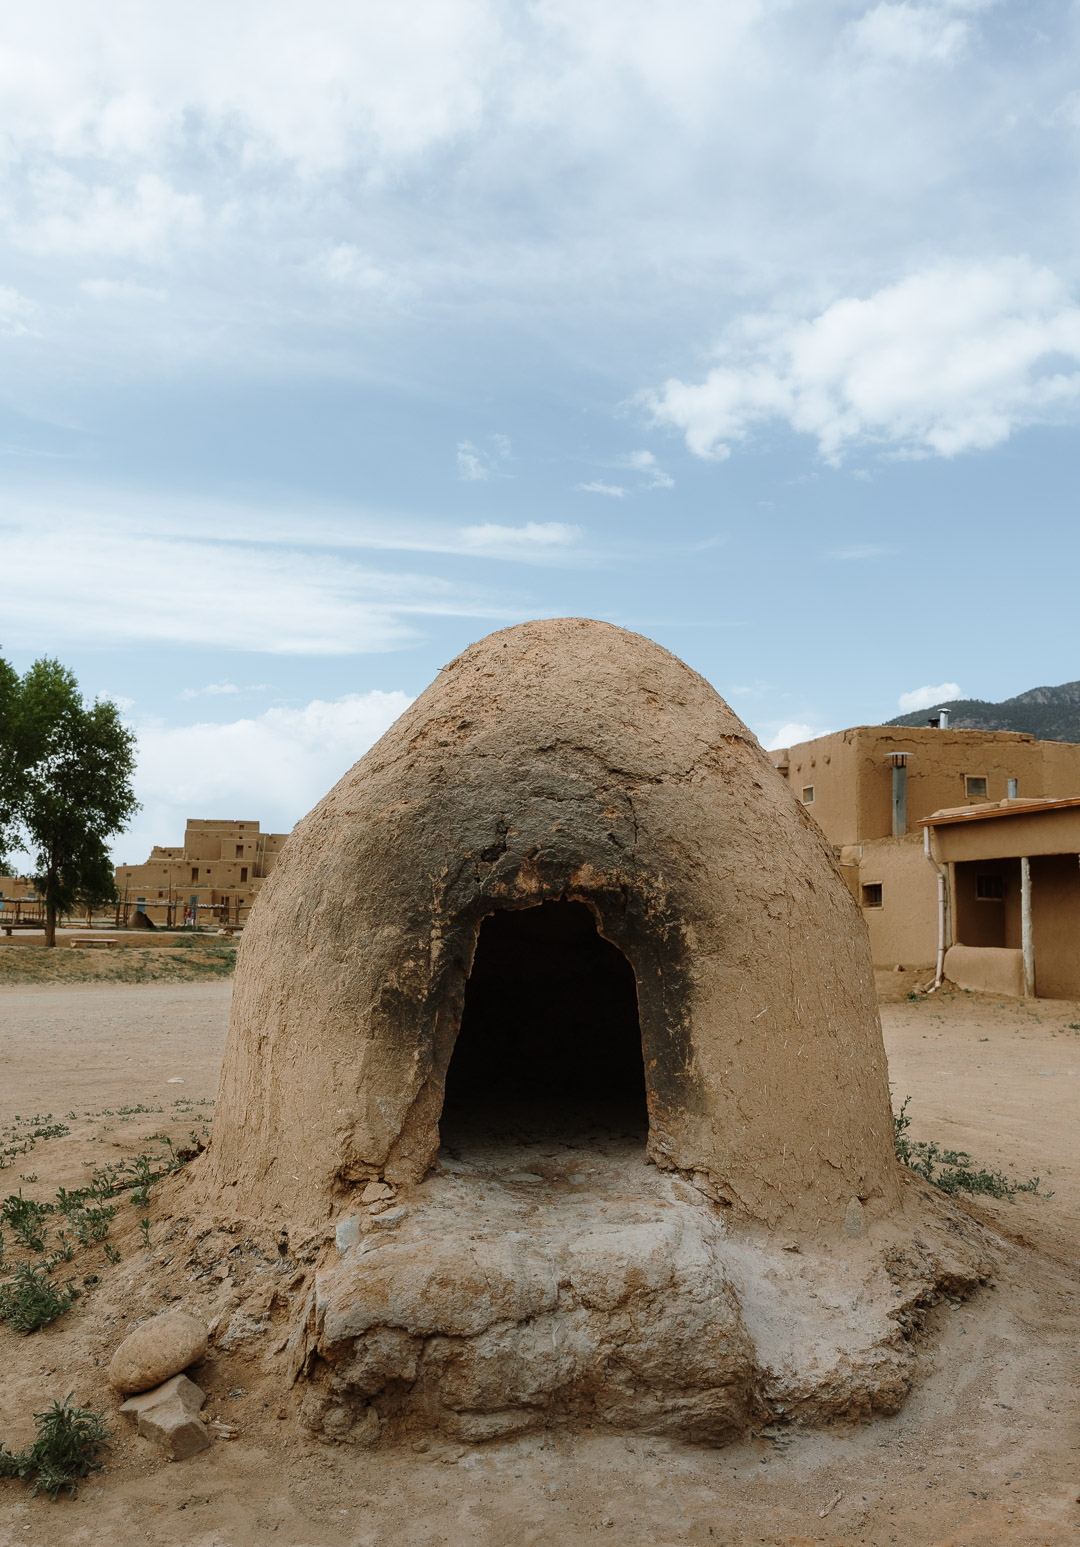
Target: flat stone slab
{"points": [[169, 1415]]}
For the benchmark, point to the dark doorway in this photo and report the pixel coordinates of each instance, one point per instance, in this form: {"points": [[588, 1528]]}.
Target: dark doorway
{"points": [[549, 1035]]}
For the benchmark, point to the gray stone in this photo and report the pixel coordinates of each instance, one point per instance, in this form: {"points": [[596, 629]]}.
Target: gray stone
{"points": [[390, 1220], [242, 1328], [347, 1233], [854, 1219], [169, 1415]]}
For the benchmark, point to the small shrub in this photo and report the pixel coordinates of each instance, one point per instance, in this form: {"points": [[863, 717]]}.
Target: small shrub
{"points": [[29, 1301], [952, 1171], [67, 1448]]}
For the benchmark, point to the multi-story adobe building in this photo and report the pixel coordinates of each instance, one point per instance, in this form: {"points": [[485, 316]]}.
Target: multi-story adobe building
{"points": [[872, 787], [214, 876]]}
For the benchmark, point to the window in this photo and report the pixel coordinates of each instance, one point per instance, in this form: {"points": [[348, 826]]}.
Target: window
{"points": [[239, 851], [989, 888], [871, 895], [808, 795], [976, 787], [243, 872]]}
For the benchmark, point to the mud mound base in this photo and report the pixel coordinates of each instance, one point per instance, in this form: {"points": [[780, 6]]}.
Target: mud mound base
{"points": [[570, 1281]]}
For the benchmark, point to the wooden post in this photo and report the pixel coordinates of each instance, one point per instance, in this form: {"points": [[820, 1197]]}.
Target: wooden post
{"points": [[1027, 939]]}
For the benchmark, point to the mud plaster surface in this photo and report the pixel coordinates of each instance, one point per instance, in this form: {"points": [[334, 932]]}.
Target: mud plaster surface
{"points": [[983, 1451], [562, 759]]}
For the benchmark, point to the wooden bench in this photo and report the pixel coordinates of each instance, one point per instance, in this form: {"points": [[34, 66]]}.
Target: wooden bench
{"points": [[88, 945]]}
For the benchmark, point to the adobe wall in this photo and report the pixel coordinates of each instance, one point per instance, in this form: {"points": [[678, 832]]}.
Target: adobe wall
{"points": [[830, 765], [852, 775], [904, 928], [1055, 925]]}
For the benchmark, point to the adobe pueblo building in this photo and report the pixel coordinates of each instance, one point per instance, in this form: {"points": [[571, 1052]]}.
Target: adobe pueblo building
{"points": [[555, 1023]]}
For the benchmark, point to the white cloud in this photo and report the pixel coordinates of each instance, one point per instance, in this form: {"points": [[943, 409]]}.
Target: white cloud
{"points": [[926, 698], [144, 220], [14, 310], [475, 465], [615, 490], [902, 34], [353, 269], [953, 358], [791, 734], [120, 83], [272, 768], [120, 290]]}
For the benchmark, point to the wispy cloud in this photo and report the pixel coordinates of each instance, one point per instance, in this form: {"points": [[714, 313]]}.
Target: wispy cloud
{"points": [[860, 551], [117, 582], [491, 538], [221, 689], [476, 465], [120, 290], [653, 475], [615, 490]]}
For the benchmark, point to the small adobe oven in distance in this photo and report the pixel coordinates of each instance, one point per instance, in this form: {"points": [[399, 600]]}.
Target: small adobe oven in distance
{"points": [[559, 765]]}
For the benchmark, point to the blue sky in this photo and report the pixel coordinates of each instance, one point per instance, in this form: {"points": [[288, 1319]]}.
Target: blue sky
{"points": [[335, 337]]}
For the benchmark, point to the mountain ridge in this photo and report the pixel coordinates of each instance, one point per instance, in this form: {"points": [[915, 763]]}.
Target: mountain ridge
{"points": [[1050, 713]]}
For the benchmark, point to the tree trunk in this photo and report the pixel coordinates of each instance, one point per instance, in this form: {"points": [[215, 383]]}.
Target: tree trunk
{"points": [[50, 923]]}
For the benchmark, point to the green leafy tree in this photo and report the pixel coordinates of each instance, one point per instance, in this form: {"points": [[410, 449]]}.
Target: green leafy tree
{"points": [[71, 765], [9, 772]]}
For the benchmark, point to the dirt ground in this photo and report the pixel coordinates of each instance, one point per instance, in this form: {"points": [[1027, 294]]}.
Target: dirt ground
{"points": [[983, 1452]]}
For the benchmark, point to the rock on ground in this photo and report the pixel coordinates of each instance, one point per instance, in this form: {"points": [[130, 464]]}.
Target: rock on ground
{"points": [[158, 1348]]}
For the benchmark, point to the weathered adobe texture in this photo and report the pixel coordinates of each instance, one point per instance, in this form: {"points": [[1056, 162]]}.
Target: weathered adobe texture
{"points": [[563, 759], [770, 1264]]}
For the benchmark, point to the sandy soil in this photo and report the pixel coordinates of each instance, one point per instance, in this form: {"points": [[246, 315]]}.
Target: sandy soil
{"points": [[983, 1452]]}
